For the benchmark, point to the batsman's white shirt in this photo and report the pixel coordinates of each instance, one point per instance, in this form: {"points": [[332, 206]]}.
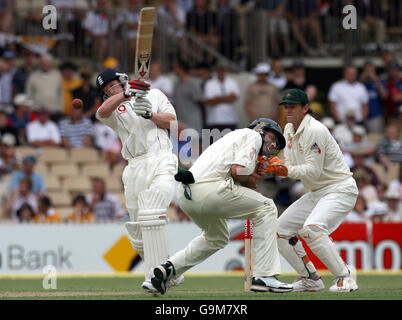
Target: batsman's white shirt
{"points": [[147, 147], [138, 135]]}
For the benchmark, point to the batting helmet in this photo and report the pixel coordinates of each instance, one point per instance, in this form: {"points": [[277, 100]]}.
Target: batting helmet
{"points": [[106, 76], [262, 125]]}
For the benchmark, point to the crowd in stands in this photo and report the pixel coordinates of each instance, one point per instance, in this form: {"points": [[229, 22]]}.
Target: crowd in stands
{"points": [[363, 110], [293, 27]]}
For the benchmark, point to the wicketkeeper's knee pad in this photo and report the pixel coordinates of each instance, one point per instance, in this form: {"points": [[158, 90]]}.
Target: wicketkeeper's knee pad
{"points": [[317, 238]]}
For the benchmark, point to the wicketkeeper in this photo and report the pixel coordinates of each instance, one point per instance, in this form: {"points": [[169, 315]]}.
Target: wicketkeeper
{"points": [[141, 117], [219, 186], [313, 157]]}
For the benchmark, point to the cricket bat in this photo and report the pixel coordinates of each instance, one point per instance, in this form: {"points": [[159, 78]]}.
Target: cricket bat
{"points": [[143, 48]]}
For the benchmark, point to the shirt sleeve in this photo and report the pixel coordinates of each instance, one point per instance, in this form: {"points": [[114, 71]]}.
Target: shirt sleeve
{"points": [[164, 105], [111, 119], [314, 153], [246, 152]]}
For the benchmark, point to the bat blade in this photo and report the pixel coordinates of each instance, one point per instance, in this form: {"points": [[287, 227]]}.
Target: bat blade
{"points": [[144, 43]]}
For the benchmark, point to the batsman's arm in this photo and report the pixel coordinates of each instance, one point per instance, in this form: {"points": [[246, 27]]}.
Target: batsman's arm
{"points": [[110, 104], [163, 120]]}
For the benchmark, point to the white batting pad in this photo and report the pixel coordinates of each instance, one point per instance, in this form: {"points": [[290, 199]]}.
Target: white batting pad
{"points": [[134, 231], [152, 207], [322, 246]]}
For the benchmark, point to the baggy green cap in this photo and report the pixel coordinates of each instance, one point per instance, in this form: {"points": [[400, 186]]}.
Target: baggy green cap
{"points": [[294, 96]]}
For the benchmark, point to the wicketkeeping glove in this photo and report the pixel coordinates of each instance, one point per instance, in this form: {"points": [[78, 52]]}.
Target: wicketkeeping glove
{"points": [[136, 88], [142, 107], [277, 167]]}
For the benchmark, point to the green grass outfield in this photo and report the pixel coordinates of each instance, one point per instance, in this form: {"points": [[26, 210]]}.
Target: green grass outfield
{"points": [[225, 286]]}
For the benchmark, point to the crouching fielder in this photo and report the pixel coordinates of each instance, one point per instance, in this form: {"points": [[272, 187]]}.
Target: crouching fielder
{"points": [[219, 186], [313, 156], [141, 118]]}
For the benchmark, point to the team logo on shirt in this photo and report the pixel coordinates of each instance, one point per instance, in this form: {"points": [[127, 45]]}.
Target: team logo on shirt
{"points": [[316, 148], [290, 144], [122, 109]]}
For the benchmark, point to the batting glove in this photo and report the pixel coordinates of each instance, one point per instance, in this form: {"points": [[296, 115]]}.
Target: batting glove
{"points": [[136, 88], [143, 107]]}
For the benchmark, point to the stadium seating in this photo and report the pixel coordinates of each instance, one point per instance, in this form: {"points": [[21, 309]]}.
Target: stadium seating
{"points": [[84, 155]]}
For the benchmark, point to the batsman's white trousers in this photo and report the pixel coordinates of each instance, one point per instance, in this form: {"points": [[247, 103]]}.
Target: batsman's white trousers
{"points": [[149, 171], [326, 208], [211, 204]]}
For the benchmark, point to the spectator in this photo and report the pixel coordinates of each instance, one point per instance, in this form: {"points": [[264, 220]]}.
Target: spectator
{"points": [[76, 131], [46, 213], [277, 25], [30, 12], [360, 143], [377, 91], [104, 204], [348, 94], [228, 30], [394, 89], [5, 126], [87, 93], [277, 76], [107, 140], [220, 95], [372, 22], [343, 132], [9, 162], [43, 132], [21, 116], [387, 57], [27, 171], [70, 81], [377, 211], [129, 16], [394, 206], [7, 71], [187, 97], [81, 213], [315, 106], [25, 213], [262, 97], [359, 212], [22, 73], [396, 183], [96, 25], [44, 86], [202, 23], [304, 14], [389, 149], [6, 18], [367, 190], [297, 77], [159, 81], [359, 164], [21, 195]]}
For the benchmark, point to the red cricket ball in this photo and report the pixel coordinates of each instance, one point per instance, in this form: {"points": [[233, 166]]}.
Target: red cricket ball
{"points": [[77, 103]]}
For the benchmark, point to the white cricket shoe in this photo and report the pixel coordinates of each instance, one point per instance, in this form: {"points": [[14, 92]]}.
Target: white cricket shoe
{"points": [[271, 284], [344, 284], [175, 282], [304, 284], [147, 285]]}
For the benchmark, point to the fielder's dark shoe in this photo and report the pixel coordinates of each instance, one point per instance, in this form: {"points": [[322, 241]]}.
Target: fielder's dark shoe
{"points": [[271, 284], [162, 275]]}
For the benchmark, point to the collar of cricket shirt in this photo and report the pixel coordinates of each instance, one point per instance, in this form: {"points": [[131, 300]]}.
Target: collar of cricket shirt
{"points": [[305, 122]]}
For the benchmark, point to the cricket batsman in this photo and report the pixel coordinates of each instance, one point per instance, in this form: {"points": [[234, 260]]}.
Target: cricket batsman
{"points": [[221, 185], [313, 157], [141, 117]]}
